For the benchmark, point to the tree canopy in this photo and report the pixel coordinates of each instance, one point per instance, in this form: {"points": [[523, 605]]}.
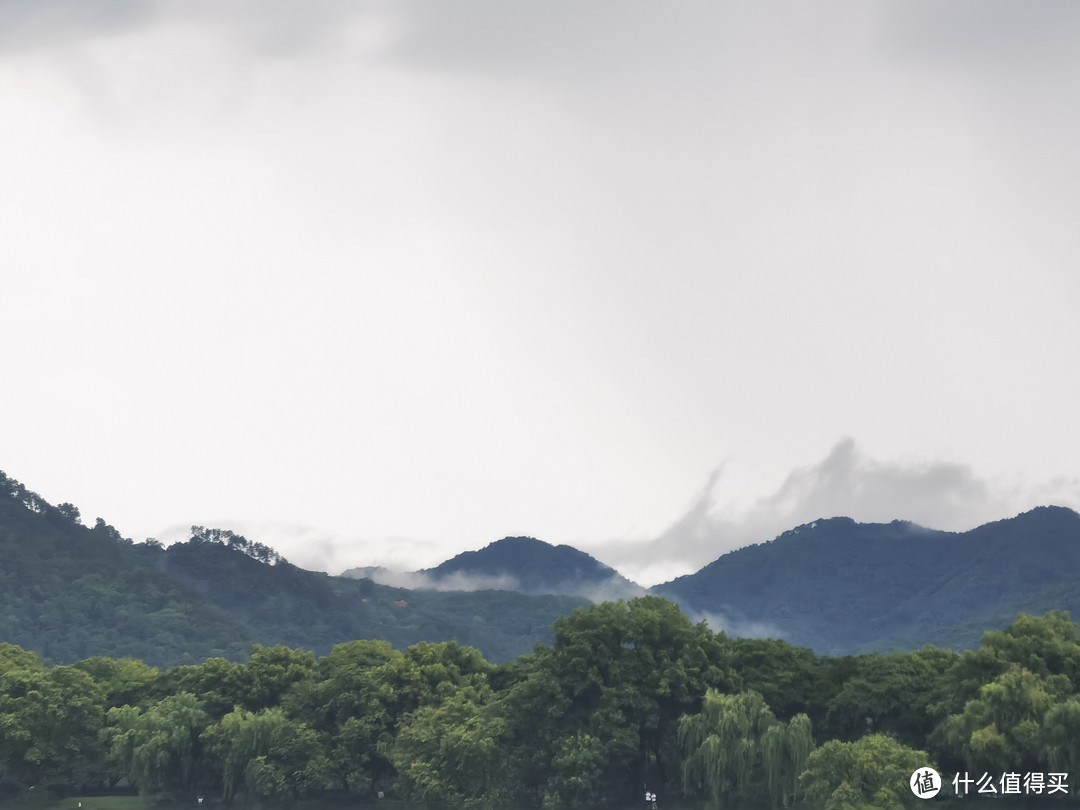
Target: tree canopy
{"points": [[629, 696]]}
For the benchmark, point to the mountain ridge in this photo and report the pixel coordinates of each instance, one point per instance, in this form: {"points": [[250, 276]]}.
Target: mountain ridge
{"points": [[866, 589], [70, 592], [538, 567], [835, 585]]}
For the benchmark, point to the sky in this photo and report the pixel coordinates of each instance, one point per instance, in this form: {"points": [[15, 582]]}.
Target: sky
{"points": [[379, 282]]}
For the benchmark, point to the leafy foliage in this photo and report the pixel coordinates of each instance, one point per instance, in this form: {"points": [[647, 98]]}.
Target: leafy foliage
{"points": [[628, 694], [736, 748], [872, 772], [70, 592], [624, 694]]}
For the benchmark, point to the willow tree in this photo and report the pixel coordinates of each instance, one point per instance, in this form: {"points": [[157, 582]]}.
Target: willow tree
{"points": [[265, 755], [735, 748], [871, 773], [238, 740], [453, 754], [1001, 730], [1062, 744], [785, 749], [158, 748]]}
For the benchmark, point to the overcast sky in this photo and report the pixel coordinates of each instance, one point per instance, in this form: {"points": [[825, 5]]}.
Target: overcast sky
{"points": [[380, 282]]}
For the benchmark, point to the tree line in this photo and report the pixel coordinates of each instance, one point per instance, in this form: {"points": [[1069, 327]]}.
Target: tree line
{"points": [[630, 697]]}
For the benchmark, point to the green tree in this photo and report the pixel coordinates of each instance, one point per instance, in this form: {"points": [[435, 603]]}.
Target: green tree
{"points": [[1060, 740], [791, 679], [722, 744], [158, 747], [49, 720], [70, 511], [452, 753], [265, 755], [272, 672], [735, 749], [76, 719], [785, 750], [219, 683], [872, 772], [354, 701], [889, 694], [263, 681], [1001, 730], [622, 673], [363, 691], [24, 709], [1047, 645], [576, 771], [124, 680]]}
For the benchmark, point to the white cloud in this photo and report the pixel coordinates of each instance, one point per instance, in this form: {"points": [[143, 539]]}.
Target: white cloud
{"points": [[719, 622], [460, 271], [935, 494], [457, 581]]}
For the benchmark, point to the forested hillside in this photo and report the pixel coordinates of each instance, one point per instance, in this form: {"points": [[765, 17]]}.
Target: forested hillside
{"points": [[283, 604], [844, 587], [836, 586], [528, 565], [69, 592]]}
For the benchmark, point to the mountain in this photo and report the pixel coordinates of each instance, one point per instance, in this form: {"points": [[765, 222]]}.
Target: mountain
{"points": [[283, 604], [70, 592], [531, 566], [373, 572], [842, 587]]}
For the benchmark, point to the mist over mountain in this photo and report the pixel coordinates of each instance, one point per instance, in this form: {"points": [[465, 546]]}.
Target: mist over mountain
{"points": [[70, 592], [283, 604], [536, 567], [840, 587], [522, 564]]}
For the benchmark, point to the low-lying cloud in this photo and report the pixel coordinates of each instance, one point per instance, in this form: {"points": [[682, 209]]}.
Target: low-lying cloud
{"points": [[318, 549], [937, 494], [847, 482], [720, 622], [422, 581], [605, 591]]}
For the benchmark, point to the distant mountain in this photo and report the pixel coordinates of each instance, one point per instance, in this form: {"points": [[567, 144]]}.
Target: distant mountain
{"points": [[373, 572], [841, 587], [283, 604], [531, 566], [70, 592]]}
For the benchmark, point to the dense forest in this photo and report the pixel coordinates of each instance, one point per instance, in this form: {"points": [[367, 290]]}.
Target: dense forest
{"points": [[844, 588], [630, 696], [620, 698], [69, 591]]}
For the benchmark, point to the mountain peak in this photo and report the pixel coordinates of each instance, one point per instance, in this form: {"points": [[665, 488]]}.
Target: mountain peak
{"points": [[840, 586], [533, 566], [1047, 516]]}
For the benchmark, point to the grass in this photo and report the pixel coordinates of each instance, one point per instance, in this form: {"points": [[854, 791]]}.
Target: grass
{"points": [[139, 803], [98, 803]]}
